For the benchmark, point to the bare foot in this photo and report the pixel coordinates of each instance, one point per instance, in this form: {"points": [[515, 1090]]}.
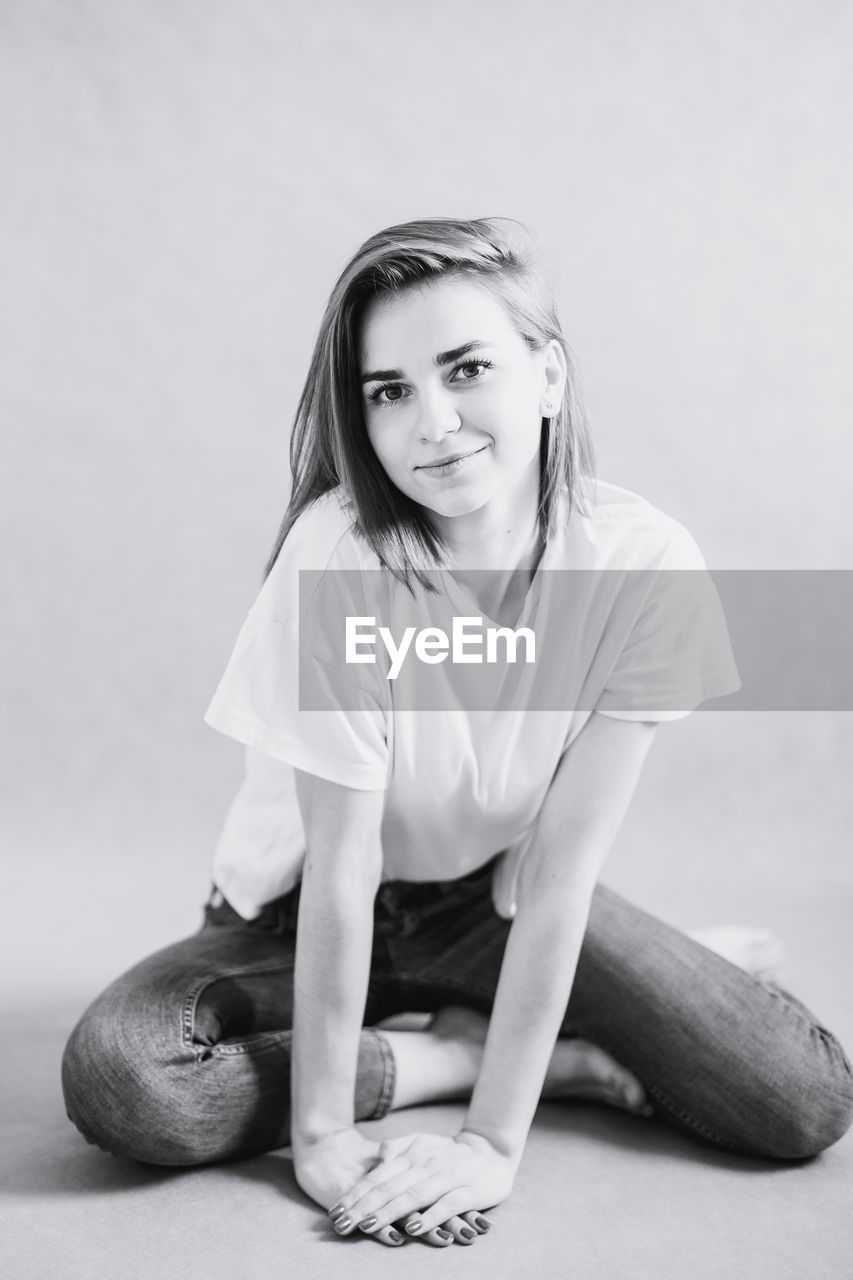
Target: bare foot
{"points": [[578, 1069], [758, 951]]}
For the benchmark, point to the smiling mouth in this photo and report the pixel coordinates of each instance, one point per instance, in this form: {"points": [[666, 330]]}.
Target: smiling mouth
{"points": [[445, 464]]}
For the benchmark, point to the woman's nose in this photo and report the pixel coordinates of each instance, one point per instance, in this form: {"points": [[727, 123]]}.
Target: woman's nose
{"points": [[439, 417]]}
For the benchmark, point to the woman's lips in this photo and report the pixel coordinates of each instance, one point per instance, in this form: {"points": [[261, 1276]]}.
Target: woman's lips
{"points": [[453, 460]]}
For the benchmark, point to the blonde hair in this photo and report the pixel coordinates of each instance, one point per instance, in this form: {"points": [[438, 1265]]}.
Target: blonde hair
{"points": [[330, 447]]}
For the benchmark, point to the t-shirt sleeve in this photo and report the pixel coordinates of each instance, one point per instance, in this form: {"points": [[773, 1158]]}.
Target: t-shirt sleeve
{"points": [[676, 652], [260, 699]]}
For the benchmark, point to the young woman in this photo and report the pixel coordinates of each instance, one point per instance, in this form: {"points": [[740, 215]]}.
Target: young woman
{"points": [[422, 824]]}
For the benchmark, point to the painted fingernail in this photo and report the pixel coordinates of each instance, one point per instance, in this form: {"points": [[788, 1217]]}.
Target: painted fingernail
{"points": [[342, 1224], [481, 1223], [369, 1223], [335, 1210], [395, 1237], [468, 1233], [442, 1234], [413, 1226]]}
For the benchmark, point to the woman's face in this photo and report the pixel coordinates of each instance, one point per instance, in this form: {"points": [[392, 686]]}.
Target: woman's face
{"points": [[453, 395]]}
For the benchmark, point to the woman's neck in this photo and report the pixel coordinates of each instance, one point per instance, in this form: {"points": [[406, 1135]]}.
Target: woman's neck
{"points": [[501, 547], [497, 576], [493, 554]]}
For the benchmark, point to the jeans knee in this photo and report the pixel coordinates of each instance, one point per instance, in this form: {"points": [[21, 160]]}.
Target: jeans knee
{"points": [[122, 1099], [817, 1113], [817, 1126]]}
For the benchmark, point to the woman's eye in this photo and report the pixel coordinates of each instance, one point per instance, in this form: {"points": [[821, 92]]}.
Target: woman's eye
{"points": [[389, 393], [396, 392], [471, 370]]}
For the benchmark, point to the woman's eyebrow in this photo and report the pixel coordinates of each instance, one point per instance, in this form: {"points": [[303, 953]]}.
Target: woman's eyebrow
{"points": [[443, 358]]}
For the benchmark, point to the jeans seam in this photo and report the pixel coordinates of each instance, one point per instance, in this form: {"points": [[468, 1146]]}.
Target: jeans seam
{"points": [[190, 1005], [671, 1108], [686, 1119], [262, 1042]]}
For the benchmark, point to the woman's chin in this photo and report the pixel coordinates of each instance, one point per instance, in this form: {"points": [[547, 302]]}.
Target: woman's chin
{"points": [[454, 502]]}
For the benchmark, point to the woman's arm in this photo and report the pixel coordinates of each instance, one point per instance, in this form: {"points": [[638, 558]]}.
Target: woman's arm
{"points": [[333, 947], [582, 812]]}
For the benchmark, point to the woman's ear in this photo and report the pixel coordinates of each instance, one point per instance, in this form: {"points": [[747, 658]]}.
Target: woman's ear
{"points": [[554, 374]]}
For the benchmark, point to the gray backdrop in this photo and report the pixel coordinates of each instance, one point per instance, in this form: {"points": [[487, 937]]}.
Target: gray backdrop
{"points": [[184, 179]]}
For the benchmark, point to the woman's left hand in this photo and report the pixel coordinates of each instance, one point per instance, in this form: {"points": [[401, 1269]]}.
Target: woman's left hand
{"points": [[425, 1180]]}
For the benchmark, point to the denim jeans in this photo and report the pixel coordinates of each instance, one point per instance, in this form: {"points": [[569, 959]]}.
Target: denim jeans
{"points": [[185, 1059]]}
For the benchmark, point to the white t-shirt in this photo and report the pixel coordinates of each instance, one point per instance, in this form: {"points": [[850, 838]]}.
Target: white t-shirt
{"points": [[465, 753]]}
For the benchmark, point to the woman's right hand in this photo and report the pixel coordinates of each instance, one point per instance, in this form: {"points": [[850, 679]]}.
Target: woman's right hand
{"points": [[327, 1168]]}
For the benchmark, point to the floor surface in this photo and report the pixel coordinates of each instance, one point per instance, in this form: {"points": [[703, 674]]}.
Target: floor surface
{"points": [[600, 1195], [757, 813]]}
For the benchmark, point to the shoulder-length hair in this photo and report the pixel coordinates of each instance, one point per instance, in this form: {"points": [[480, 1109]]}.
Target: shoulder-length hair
{"points": [[330, 446]]}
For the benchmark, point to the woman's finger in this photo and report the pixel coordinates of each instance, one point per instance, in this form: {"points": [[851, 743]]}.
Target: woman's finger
{"points": [[396, 1146], [390, 1236], [384, 1172], [397, 1157], [439, 1236], [418, 1184], [376, 1206], [454, 1229], [476, 1220], [443, 1210], [462, 1231], [406, 1203]]}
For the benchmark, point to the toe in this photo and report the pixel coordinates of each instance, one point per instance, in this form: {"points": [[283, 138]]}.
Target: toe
{"points": [[633, 1093]]}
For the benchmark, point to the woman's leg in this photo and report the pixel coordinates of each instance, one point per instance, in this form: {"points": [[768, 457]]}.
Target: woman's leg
{"points": [[724, 1056], [185, 1059], [721, 1054]]}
